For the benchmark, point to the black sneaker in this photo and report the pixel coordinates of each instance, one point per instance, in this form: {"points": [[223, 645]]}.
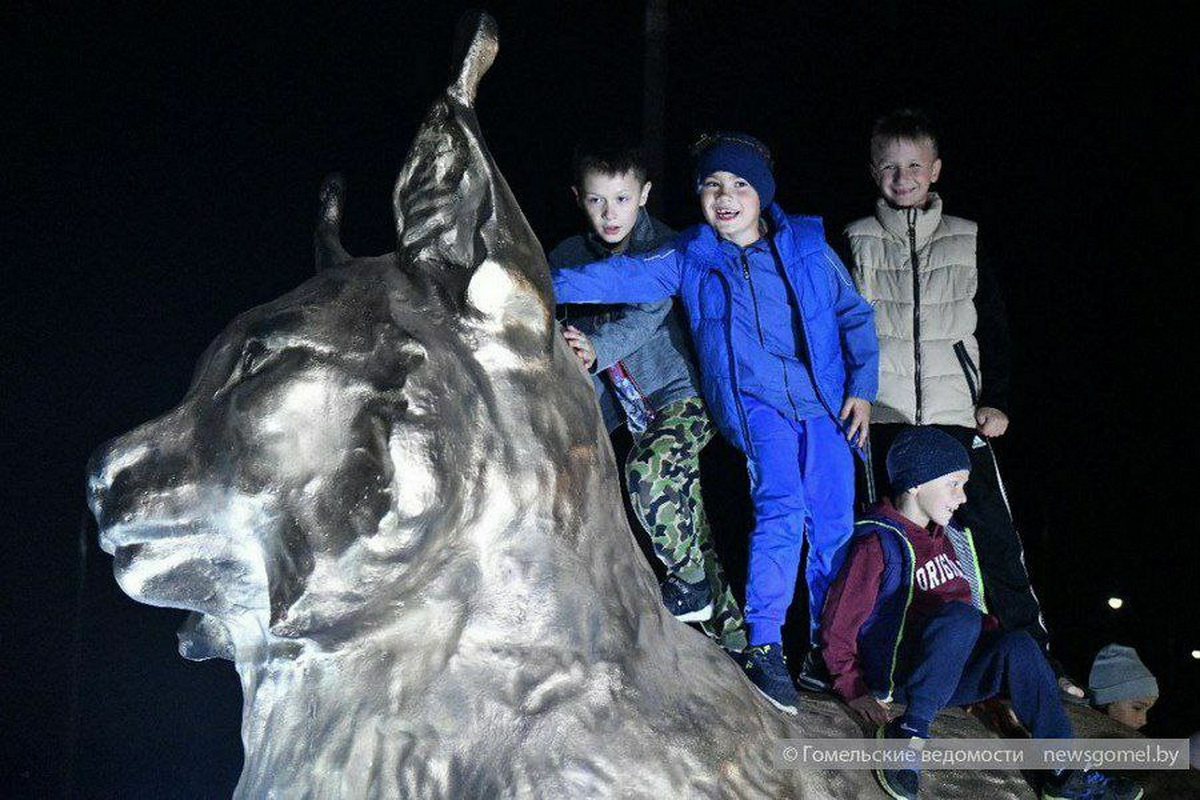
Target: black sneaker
{"points": [[1089, 784], [814, 675], [901, 784], [767, 670], [687, 602]]}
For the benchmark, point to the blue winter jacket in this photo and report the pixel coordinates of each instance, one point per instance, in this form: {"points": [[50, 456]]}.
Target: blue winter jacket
{"points": [[880, 635], [838, 326]]}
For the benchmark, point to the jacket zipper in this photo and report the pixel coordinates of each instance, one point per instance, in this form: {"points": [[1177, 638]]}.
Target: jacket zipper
{"points": [[753, 297], [737, 397], [787, 386], [911, 215], [912, 579], [968, 368]]}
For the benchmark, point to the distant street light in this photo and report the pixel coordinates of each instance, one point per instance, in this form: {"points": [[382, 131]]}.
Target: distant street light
{"points": [[1115, 602], [1196, 654]]}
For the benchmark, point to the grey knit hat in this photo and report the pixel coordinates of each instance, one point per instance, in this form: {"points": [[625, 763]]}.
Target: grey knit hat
{"points": [[1118, 674]]}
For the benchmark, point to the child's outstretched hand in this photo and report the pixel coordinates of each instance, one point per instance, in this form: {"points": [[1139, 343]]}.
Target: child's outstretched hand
{"points": [[856, 413], [871, 709], [990, 421], [580, 346]]}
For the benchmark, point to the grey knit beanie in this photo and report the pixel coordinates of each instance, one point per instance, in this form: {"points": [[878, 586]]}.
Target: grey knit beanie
{"points": [[1118, 674]]}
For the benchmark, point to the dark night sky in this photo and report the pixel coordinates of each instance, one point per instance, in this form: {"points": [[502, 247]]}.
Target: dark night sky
{"points": [[159, 175]]}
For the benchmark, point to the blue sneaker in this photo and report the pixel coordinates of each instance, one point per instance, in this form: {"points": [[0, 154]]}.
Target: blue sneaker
{"points": [[901, 784], [767, 670], [687, 602], [1089, 784]]}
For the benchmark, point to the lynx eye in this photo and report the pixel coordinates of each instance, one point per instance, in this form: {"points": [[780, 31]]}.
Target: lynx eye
{"points": [[254, 355]]}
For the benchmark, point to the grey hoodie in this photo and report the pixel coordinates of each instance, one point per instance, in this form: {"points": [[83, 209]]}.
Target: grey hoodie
{"points": [[647, 339]]}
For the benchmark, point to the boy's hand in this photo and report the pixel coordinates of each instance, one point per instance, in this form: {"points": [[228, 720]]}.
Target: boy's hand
{"points": [[580, 346], [871, 709], [991, 421], [856, 413]]}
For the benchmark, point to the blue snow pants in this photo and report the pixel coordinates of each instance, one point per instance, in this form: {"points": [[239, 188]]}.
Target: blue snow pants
{"points": [[948, 660], [802, 486]]}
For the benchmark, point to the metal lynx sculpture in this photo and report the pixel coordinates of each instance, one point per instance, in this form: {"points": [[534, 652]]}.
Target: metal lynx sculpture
{"points": [[390, 501]]}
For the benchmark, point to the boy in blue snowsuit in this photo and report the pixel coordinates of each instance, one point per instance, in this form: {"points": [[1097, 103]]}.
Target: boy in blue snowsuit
{"points": [[788, 361]]}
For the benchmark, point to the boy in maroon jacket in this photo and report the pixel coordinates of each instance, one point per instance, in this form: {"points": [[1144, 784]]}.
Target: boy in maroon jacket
{"points": [[905, 619]]}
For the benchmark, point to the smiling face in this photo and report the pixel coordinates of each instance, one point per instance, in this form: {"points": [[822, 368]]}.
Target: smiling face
{"points": [[935, 500], [1131, 713], [731, 205], [611, 203], [904, 170]]}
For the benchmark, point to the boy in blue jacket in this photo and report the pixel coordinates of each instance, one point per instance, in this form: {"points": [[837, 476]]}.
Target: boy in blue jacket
{"points": [[906, 618], [788, 366], [641, 367]]}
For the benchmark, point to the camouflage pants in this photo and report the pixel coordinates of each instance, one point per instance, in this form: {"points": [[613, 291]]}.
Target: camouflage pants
{"points": [[663, 476]]}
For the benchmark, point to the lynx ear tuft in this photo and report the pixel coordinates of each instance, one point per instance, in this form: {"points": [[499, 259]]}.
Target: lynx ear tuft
{"points": [[476, 45], [327, 241]]}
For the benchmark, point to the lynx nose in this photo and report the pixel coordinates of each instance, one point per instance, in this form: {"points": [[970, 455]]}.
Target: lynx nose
{"points": [[97, 480], [111, 475]]}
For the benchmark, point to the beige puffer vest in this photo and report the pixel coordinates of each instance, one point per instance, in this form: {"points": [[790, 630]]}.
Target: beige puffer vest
{"points": [[928, 355]]}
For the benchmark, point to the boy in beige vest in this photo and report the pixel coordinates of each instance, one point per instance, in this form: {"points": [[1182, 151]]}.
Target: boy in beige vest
{"points": [[943, 341]]}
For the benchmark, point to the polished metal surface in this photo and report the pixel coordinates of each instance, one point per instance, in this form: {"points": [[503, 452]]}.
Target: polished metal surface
{"points": [[389, 499]]}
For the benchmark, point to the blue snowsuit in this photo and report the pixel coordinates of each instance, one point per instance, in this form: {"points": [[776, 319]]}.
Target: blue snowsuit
{"points": [[777, 361]]}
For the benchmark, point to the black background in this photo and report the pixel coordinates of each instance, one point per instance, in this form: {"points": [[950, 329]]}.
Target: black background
{"points": [[160, 170]]}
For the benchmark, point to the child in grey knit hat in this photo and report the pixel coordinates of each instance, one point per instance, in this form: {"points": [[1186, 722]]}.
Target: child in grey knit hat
{"points": [[1121, 685]]}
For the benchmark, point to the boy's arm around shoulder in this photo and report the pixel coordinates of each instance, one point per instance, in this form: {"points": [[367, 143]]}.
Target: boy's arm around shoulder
{"points": [[848, 604], [856, 328], [633, 324], [627, 329], [565, 252], [644, 278]]}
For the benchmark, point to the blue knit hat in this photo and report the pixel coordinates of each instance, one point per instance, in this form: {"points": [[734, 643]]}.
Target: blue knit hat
{"points": [[1118, 674], [741, 154], [922, 453]]}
